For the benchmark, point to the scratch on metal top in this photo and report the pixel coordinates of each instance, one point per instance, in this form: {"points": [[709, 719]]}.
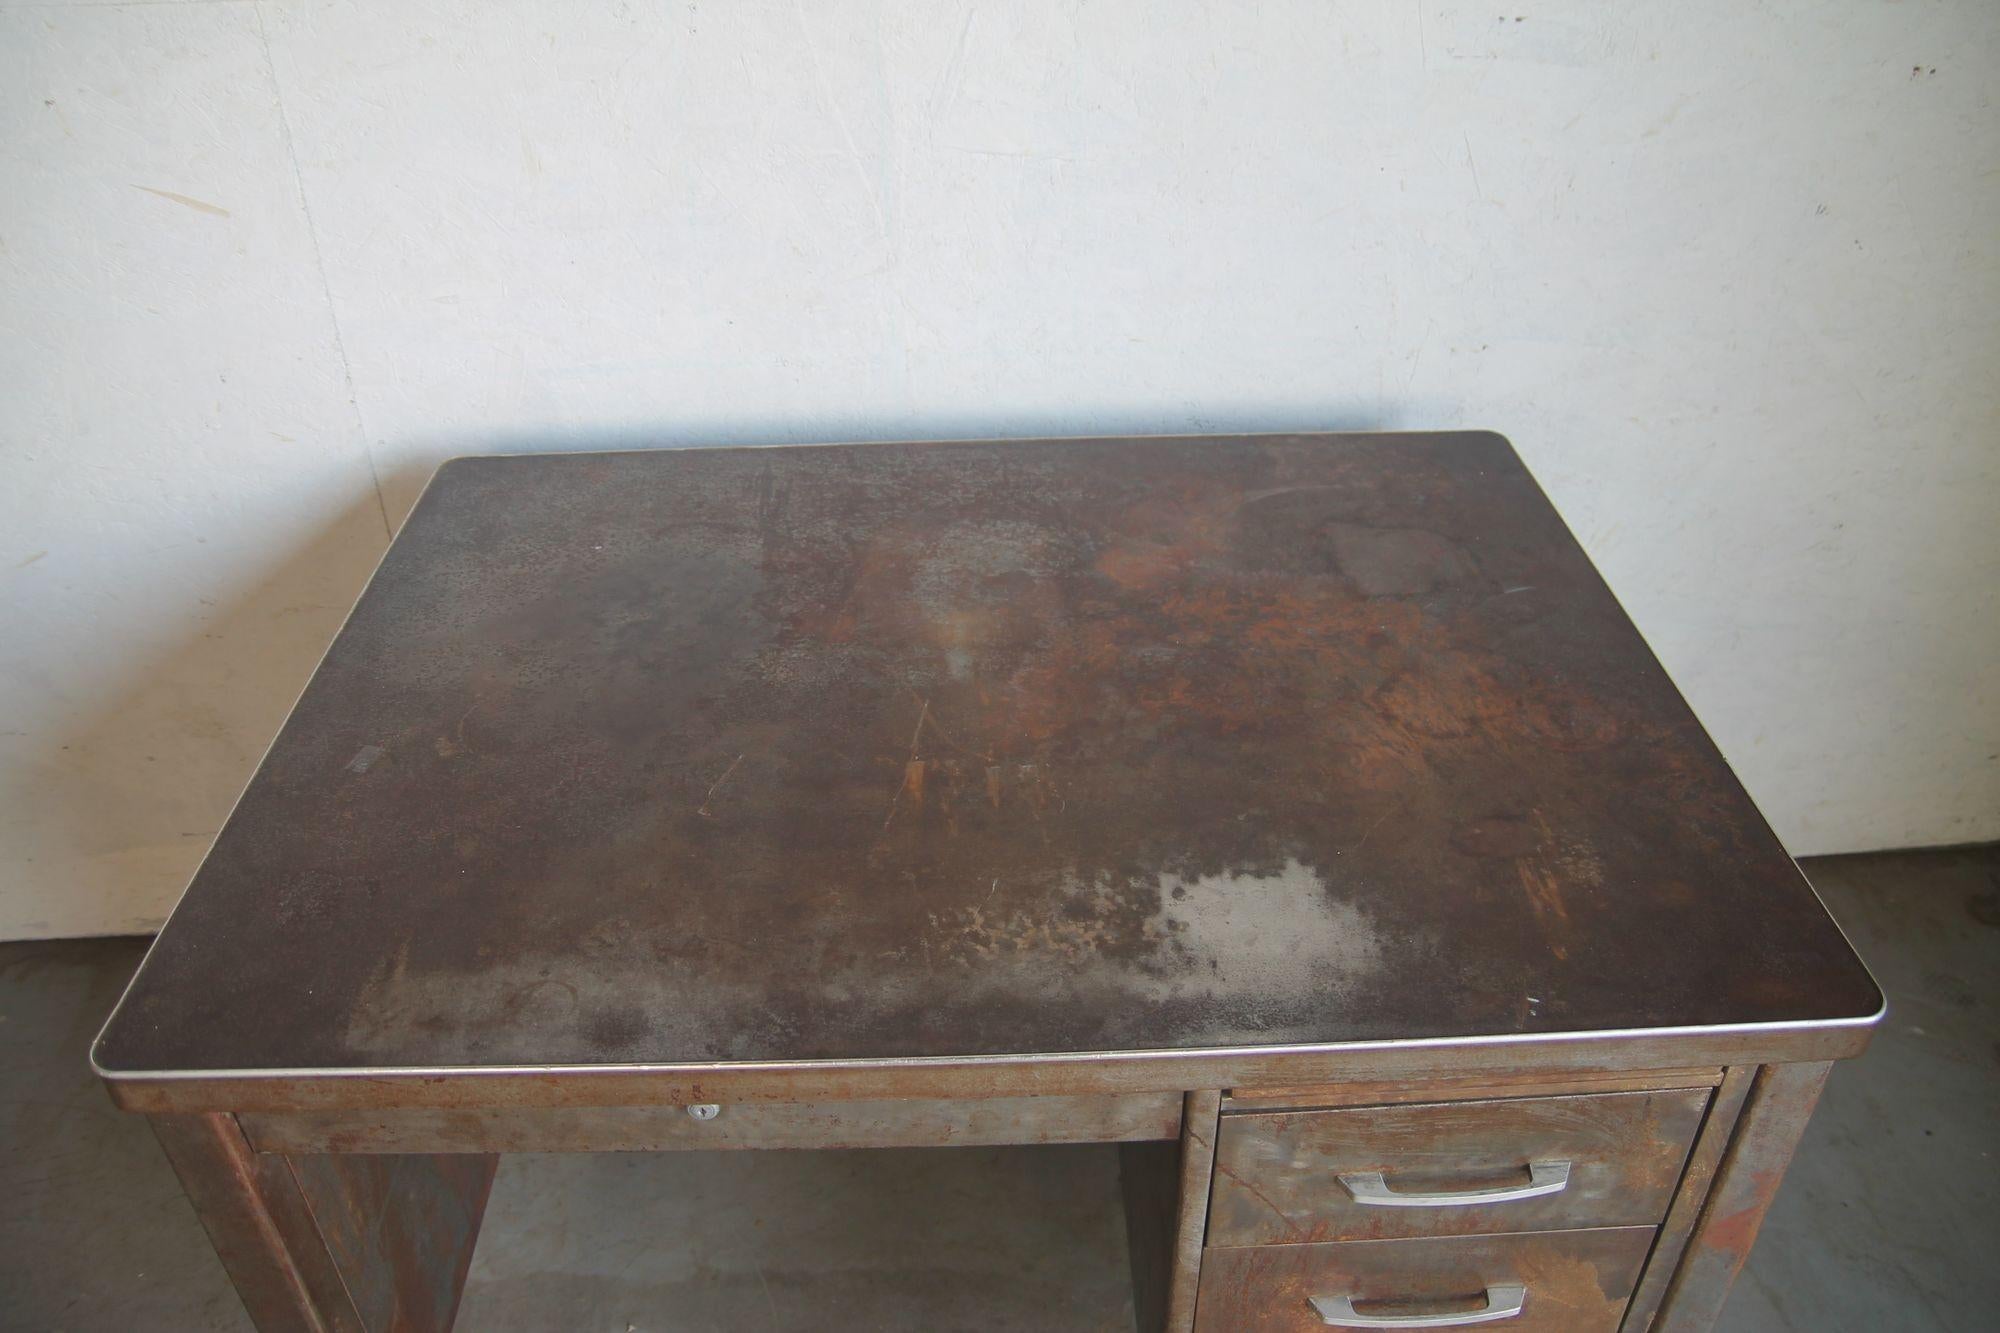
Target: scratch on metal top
{"points": [[885, 751]]}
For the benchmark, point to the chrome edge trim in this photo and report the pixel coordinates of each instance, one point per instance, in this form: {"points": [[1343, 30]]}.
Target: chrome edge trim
{"points": [[262, 759], [1163, 1055], [937, 1061]]}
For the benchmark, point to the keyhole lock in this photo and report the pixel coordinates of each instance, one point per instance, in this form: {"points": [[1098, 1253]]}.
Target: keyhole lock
{"points": [[705, 1111]]}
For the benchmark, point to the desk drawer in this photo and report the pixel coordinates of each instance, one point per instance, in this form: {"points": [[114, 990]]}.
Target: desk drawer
{"points": [[1526, 1164], [1562, 1282], [1122, 1118]]}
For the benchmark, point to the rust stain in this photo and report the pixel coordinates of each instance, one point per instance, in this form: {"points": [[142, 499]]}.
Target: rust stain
{"points": [[1568, 1281], [1058, 746], [1545, 896], [1734, 1233], [1540, 870]]}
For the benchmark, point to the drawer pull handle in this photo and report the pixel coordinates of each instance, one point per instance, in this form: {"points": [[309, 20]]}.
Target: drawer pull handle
{"points": [[1369, 1188], [1502, 1302]]}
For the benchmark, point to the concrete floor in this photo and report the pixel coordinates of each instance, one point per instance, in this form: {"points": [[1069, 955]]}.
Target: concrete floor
{"points": [[1889, 1219]]}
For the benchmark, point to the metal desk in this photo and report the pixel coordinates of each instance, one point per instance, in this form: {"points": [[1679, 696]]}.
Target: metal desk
{"points": [[1039, 791]]}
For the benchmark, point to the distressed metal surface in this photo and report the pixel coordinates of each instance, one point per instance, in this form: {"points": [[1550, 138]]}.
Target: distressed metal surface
{"points": [[1166, 1212], [261, 1226], [1197, 1168], [1277, 1175], [1080, 1075], [400, 1229], [849, 1124], [1462, 1087], [321, 1244], [895, 750], [1774, 1115], [1716, 1128], [1577, 1281]]}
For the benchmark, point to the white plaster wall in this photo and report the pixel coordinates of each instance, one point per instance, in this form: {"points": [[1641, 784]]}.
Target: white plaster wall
{"points": [[1727, 274]]}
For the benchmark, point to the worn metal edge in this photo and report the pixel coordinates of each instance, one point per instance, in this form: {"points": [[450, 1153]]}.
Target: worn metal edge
{"points": [[193, 1082], [1155, 1070], [262, 759]]}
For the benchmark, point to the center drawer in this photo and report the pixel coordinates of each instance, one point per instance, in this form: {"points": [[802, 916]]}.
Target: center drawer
{"points": [[1450, 1169]]}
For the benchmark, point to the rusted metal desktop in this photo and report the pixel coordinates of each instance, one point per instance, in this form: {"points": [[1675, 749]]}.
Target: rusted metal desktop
{"points": [[1301, 812]]}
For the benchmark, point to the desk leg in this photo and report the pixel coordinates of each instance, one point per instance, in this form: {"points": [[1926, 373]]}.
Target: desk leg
{"points": [[1774, 1115], [319, 1243], [1166, 1216]]}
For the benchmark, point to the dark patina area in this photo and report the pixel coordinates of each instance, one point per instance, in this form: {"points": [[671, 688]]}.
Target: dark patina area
{"points": [[948, 749]]}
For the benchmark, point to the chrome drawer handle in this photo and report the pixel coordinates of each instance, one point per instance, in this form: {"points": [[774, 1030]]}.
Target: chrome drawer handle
{"points": [[1502, 1302], [1369, 1188]]}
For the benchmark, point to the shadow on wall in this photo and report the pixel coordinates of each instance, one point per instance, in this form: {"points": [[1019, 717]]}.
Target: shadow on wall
{"points": [[131, 798], [126, 798]]}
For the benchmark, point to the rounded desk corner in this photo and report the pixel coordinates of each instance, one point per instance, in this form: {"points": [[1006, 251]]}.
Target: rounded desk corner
{"points": [[117, 1082], [1873, 1006], [1860, 1023], [131, 1087], [1488, 439], [460, 463], [1873, 1019]]}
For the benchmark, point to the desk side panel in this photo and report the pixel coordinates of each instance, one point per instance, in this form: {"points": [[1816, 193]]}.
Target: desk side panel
{"points": [[1780, 1102]]}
